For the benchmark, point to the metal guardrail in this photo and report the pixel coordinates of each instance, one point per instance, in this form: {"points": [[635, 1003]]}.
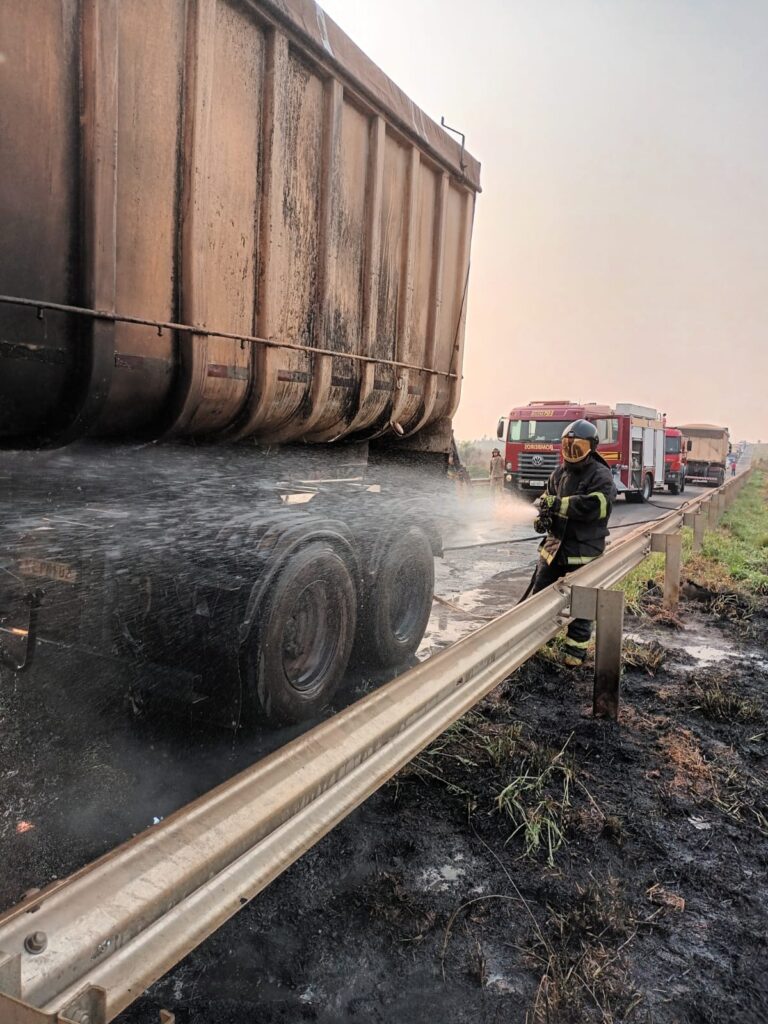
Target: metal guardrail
{"points": [[85, 948]]}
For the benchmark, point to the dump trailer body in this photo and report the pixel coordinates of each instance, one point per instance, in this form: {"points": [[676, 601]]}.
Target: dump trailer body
{"points": [[239, 167], [221, 221], [708, 452]]}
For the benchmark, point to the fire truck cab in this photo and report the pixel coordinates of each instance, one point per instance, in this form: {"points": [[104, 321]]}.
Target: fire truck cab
{"points": [[632, 442]]}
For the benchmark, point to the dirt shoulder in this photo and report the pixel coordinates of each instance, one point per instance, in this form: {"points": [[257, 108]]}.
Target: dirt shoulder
{"points": [[534, 864]]}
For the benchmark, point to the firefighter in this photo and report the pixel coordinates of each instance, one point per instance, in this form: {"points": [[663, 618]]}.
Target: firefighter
{"points": [[496, 473], [574, 513], [456, 472]]}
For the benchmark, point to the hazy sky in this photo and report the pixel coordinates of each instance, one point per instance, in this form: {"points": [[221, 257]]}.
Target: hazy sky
{"points": [[620, 251]]}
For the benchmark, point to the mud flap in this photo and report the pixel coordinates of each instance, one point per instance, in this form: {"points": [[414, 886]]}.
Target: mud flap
{"points": [[17, 643]]}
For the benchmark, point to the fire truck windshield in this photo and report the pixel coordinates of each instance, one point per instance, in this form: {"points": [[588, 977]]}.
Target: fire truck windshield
{"points": [[547, 431]]}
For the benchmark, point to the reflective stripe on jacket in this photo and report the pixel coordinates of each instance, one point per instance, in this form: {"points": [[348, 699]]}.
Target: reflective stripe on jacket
{"points": [[580, 527]]}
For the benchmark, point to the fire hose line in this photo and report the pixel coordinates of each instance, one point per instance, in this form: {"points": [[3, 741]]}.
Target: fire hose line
{"points": [[538, 536], [619, 526]]}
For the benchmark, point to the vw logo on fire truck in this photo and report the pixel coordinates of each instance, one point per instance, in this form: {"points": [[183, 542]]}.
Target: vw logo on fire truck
{"points": [[537, 460]]}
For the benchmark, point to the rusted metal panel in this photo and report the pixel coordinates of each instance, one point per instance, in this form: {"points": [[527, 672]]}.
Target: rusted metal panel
{"points": [[275, 373], [244, 169], [228, 259], [98, 234], [455, 315], [38, 204], [193, 298], [339, 52], [341, 268], [151, 39]]}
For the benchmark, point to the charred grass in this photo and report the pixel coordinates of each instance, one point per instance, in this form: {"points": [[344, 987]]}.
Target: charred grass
{"points": [[615, 849], [500, 771], [618, 872], [714, 696], [582, 955]]}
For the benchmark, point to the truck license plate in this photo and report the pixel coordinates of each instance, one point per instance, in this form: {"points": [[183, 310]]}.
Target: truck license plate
{"points": [[537, 483], [48, 570]]}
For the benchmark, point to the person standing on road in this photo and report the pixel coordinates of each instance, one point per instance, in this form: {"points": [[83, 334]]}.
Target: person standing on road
{"points": [[496, 473], [574, 513]]}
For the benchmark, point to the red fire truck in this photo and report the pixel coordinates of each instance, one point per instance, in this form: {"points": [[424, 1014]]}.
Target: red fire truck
{"points": [[675, 458], [631, 442]]}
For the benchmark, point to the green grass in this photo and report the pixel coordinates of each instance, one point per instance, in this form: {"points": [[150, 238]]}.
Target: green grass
{"points": [[636, 584], [734, 557], [737, 551], [537, 802]]}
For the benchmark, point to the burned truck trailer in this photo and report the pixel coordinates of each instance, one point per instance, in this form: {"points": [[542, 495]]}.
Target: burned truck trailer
{"points": [[233, 292]]}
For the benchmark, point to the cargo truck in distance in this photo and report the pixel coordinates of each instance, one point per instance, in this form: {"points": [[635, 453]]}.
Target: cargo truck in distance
{"points": [[234, 283], [708, 447], [631, 442]]}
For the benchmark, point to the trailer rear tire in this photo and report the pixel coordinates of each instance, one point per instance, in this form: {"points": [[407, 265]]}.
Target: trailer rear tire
{"points": [[400, 601], [298, 651]]}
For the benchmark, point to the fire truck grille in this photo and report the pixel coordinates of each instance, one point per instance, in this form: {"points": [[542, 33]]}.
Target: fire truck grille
{"points": [[539, 465]]}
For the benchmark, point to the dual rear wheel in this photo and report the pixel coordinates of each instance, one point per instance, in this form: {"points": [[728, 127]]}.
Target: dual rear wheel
{"points": [[315, 614]]}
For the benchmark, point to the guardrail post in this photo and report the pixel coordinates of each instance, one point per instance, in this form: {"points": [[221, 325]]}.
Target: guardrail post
{"points": [[610, 628], [606, 608], [699, 527], [712, 512], [672, 546]]}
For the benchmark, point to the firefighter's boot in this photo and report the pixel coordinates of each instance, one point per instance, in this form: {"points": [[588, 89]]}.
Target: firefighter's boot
{"points": [[574, 652]]}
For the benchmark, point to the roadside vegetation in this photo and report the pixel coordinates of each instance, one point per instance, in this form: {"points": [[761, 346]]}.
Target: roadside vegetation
{"points": [[733, 561], [476, 455]]}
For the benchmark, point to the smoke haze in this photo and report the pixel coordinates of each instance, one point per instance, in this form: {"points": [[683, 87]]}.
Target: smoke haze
{"points": [[621, 242]]}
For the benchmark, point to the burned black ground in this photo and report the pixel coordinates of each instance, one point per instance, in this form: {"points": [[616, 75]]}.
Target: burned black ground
{"points": [[424, 904]]}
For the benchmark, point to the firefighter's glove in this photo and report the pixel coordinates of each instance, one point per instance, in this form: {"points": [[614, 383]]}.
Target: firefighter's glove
{"points": [[549, 503]]}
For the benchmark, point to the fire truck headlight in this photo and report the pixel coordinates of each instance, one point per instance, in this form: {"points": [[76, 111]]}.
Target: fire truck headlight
{"points": [[509, 477], [509, 467]]}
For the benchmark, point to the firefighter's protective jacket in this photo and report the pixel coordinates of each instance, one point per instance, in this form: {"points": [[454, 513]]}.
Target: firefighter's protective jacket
{"points": [[580, 525]]}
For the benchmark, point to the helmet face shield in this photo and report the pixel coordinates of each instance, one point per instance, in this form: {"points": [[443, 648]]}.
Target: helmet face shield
{"points": [[575, 449]]}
